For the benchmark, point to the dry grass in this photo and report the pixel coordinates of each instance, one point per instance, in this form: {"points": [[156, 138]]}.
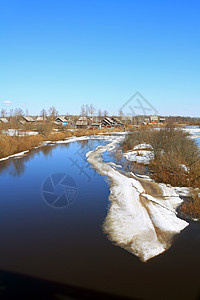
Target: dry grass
{"points": [[10, 144], [13, 144], [191, 206]]}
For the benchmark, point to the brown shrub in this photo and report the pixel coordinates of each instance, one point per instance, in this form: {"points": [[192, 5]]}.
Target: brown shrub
{"points": [[191, 207], [12, 144], [44, 128]]}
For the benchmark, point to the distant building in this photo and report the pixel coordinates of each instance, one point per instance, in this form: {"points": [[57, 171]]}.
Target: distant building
{"points": [[129, 119], [162, 119], [95, 126], [61, 120], [40, 119], [82, 122], [147, 120], [3, 120], [154, 119], [107, 122], [118, 123], [24, 120], [112, 122]]}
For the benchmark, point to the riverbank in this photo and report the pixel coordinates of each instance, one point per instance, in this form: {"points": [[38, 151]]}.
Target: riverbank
{"points": [[13, 145], [172, 157], [142, 215]]}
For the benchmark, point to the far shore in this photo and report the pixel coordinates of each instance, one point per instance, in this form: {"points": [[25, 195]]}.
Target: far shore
{"points": [[18, 145]]}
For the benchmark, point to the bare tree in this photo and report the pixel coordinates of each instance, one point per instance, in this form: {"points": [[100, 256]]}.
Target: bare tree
{"points": [[3, 113], [83, 111], [53, 113], [43, 114], [121, 114], [105, 113], [92, 111], [27, 112], [87, 110], [18, 112], [11, 112], [100, 113]]}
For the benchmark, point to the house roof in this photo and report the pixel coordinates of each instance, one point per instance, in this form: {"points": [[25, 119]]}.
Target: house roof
{"points": [[81, 123], [61, 118], [153, 118], [96, 124], [117, 121], [3, 120], [40, 118], [108, 121], [83, 119], [28, 119]]}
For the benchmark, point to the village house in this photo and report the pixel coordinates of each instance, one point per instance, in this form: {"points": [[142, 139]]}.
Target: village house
{"points": [[40, 119], [96, 125], [82, 122], [61, 120], [3, 120], [23, 120], [162, 119], [154, 119], [107, 122], [117, 122]]}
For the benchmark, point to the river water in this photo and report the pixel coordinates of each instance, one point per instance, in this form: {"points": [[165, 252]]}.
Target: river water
{"points": [[62, 239]]}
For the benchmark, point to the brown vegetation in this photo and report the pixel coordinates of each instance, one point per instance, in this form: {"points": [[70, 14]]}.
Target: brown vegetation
{"points": [[13, 144], [191, 206], [176, 159]]}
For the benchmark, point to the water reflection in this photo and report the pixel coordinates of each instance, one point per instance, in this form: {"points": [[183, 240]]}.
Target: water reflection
{"points": [[17, 165], [79, 160], [127, 165], [47, 150]]}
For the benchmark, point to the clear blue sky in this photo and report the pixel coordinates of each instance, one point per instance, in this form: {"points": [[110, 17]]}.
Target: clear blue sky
{"points": [[72, 52]]}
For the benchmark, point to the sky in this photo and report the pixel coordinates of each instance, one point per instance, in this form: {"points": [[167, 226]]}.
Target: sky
{"points": [[66, 53]]}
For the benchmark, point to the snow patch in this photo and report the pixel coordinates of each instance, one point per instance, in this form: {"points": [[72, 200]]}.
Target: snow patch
{"points": [[14, 155], [136, 221], [16, 132], [140, 156], [143, 146]]}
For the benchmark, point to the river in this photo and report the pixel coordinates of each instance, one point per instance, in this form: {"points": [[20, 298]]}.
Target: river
{"points": [[61, 238]]}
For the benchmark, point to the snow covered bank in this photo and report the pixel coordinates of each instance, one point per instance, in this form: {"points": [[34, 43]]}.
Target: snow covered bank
{"points": [[192, 130], [67, 140], [139, 155], [138, 222], [84, 138], [16, 132], [14, 155]]}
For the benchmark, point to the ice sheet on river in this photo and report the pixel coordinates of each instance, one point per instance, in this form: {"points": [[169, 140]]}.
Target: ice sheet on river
{"points": [[140, 223]]}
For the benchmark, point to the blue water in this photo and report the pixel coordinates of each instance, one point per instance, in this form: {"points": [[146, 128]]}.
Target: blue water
{"points": [[197, 140], [64, 242]]}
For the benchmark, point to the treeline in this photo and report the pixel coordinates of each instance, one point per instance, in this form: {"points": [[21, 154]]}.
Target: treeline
{"points": [[52, 112], [13, 114], [183, 120]]}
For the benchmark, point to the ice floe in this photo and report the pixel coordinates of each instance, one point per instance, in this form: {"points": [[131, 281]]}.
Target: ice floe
{"points": [[138, 222]]}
